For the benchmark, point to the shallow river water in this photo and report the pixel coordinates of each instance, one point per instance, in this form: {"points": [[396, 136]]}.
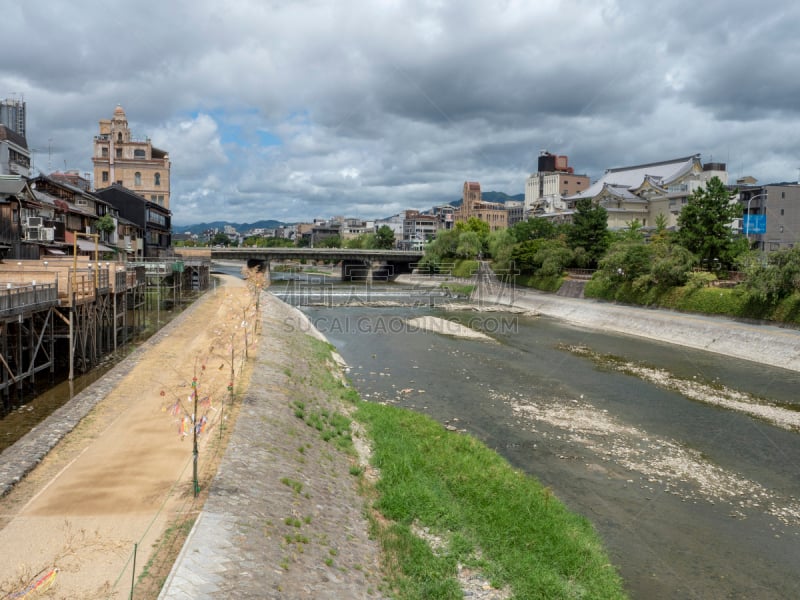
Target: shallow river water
{"points": [[692, 499]]}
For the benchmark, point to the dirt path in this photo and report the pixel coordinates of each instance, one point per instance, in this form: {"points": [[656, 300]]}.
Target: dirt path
{"points": [[120, 477]]}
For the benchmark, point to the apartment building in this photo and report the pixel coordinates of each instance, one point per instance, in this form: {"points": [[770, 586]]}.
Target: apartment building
{"points": [[771, 215]]}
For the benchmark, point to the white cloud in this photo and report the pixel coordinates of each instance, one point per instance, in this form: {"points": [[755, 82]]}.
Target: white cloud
{"points": [[374, 107]]}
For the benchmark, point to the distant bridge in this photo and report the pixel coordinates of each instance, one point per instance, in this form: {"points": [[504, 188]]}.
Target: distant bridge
{"points": [[356, 264]]}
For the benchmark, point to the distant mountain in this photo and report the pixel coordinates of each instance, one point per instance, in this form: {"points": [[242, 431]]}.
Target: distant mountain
{"points": [[501, 197], [240, 227]]}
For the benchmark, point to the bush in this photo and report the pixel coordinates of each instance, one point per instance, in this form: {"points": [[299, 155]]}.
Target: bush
{"points": [[538, 282], [465, 268], [700, 279], [712, 301]]}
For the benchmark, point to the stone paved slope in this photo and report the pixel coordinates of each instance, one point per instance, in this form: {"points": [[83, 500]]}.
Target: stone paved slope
{"points": [[279, 522]]}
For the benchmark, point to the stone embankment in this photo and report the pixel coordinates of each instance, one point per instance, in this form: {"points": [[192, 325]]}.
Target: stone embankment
{"points": [[765, 344]]}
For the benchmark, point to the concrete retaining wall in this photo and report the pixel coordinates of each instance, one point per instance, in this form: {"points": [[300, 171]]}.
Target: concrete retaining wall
{"points": [[764, 344]]}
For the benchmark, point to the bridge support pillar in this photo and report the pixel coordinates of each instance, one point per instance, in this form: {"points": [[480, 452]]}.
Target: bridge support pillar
{"points": [[357, 270]]}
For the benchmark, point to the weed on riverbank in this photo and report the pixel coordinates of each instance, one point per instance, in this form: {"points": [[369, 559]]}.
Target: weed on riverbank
{"points": [[489, 517]]}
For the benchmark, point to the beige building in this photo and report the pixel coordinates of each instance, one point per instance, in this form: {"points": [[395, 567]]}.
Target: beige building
{"points": [[493, 213], [133, 163], [647, 192]]}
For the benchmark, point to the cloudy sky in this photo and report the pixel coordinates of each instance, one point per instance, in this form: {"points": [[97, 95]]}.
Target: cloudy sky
{"points": [[302, 109]]}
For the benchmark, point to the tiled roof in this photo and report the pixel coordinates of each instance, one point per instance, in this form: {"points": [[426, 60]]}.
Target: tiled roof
{"points": [[632, 177]]}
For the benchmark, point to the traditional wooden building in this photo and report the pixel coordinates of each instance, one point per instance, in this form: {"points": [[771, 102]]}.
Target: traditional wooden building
{"points": [[645, 192], [154, 221]]}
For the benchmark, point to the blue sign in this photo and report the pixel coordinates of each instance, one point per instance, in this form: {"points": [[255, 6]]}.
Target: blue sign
{"points": [[754, 224]]}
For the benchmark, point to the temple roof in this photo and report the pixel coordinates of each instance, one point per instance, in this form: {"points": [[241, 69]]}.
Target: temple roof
{"points": [[659, 173]]}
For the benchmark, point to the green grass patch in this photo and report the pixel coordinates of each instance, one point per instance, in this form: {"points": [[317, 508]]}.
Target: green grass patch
{"points": [[458, 289], [455, 485], [464, 268], [333, 426], [292, 483]]}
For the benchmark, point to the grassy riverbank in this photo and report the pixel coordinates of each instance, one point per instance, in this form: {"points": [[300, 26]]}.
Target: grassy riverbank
{"points": [[443, 504], [443, 499], [482, 512]]}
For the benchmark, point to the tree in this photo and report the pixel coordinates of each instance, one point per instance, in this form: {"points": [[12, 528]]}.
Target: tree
{"points": [[532, 229], [469, 245], [541, 256], [672, 264], [220, 239], [333, 241], [589, 229], [105, 224], [355, 243], [444, 245], [384, 238], [772, 279], [661, 234], [626, 260], [476, 225], [500, 244], [705, 224]]}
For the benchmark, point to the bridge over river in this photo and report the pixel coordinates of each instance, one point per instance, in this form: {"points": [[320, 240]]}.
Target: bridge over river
{"points": [[357, 265]]}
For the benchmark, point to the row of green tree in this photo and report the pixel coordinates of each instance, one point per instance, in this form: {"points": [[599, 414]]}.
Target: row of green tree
{"points": [[631, 262]]}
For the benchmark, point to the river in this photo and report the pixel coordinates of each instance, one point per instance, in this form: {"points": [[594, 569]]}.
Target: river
{"points": [[692, 499]]}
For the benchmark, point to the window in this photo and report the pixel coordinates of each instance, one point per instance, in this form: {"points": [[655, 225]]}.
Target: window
{"points": [[137, 178], [104, 176], [119, 153], [138, 153], [781, 212], [104, 152], [157, 178]]}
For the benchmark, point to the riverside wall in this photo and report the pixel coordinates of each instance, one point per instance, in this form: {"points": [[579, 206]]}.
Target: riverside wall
{"points": [[762, 343]]}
